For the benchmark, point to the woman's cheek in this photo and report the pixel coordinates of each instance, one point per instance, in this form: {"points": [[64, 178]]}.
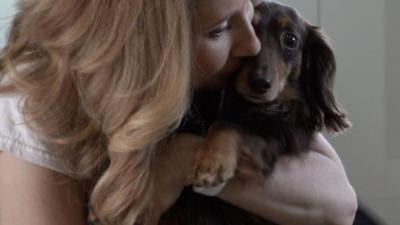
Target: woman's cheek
{"points": [[212, 58]]}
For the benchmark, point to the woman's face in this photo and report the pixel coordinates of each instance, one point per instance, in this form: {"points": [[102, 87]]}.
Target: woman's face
{"points": [[224, 35]]}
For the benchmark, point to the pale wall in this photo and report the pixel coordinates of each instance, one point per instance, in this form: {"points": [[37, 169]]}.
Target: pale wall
{"points": [[357, 29], [6, 12]]}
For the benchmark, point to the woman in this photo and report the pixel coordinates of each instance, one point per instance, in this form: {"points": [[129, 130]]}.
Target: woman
{"points": [[103, 83]]}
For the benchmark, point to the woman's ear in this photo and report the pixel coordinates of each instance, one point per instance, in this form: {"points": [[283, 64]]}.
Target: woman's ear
{"points": [[317, 79]]}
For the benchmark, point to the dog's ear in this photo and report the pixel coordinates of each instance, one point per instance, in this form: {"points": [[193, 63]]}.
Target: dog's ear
{"points": [[317, 80]]}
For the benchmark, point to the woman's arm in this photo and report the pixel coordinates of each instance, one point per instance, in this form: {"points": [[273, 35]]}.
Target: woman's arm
{"points": [[30, 194], [310, 190]]}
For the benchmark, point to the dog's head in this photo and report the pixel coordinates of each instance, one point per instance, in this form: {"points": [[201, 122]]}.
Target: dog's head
{"points": [[295, 62]]}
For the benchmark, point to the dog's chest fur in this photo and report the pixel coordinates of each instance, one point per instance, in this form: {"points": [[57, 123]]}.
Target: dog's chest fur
{"points": [[283, 125], [286, 128]]}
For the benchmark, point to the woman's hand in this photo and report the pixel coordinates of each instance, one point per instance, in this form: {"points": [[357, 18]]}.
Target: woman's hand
{"points": [[322, 146], [173, 168]]}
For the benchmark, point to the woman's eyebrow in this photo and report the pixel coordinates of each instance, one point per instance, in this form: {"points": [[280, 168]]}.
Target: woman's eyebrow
{"points": [[221, 20]]}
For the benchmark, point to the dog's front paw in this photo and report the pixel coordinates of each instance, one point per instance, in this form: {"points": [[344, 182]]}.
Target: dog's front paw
{"points": [[213, 166]]}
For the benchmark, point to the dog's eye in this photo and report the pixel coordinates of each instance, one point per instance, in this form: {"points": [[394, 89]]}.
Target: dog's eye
{"points": [[289, 40]]}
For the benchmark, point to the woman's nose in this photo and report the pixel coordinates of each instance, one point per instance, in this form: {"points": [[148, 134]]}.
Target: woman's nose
{"points": [[246, 42]]}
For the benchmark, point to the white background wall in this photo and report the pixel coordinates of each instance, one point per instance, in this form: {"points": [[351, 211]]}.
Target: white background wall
{"points": [[6, 12], [357, 29], [392, 65], [366, 38]]}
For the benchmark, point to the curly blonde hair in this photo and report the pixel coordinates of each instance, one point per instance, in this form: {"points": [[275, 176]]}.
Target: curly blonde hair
{"points": [[103, 82]]}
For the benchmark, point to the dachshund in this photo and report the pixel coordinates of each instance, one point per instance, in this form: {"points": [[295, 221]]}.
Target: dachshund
{"points": [[271, 108]]}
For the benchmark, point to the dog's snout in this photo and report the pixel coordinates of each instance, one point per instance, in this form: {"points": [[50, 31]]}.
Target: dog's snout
{"points": [[259, 84]]}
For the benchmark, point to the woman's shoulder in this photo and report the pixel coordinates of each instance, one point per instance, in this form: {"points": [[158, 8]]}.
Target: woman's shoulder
{"points": [[18, 139], [12, 121]]}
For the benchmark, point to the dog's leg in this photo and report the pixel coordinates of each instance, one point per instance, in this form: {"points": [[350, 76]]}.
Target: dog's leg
{"points": [[215, 161]]}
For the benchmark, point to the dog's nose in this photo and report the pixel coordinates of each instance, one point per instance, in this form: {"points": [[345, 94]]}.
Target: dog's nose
{"points": [[259, 84]]}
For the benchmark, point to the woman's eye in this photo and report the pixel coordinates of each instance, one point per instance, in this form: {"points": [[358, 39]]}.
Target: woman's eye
{"points": [[289, 40], [219, 32]]}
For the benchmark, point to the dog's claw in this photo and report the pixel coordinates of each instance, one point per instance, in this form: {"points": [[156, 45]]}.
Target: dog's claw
{"points": [[211, 167]]}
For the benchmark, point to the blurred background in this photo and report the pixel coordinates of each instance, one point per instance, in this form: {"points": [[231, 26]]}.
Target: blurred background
{"points": [[7, 9], [365, 36]]}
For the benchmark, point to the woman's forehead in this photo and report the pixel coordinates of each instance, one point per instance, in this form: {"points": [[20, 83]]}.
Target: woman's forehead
{"points": [[211, 12]]}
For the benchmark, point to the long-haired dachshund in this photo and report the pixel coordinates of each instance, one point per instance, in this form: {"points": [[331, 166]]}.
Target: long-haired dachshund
{"points": [[273, 106]]}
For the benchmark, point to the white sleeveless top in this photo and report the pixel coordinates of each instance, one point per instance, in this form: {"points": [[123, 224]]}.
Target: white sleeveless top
{"points": [[19, 140]]}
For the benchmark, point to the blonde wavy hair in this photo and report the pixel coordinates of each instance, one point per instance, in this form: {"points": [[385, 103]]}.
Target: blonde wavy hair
{"points": [[103, 82]]}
